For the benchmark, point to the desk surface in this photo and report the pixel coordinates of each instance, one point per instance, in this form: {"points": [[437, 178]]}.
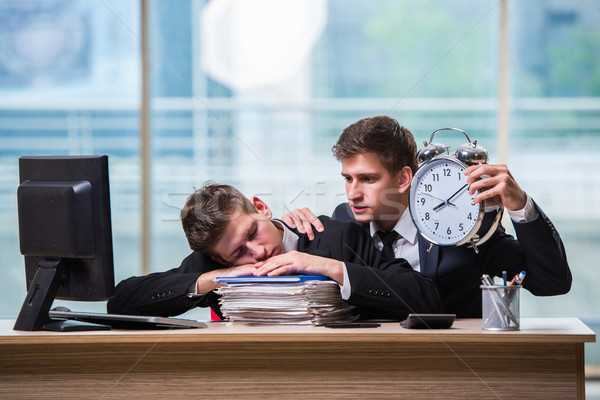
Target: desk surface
{"points": [[234, 361], [464, 330]]}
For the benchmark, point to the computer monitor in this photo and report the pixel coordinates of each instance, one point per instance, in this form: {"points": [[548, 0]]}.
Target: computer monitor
{"points": [[65, 235]]}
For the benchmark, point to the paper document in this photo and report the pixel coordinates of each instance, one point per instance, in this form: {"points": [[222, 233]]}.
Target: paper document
{"points": [[308, 302]]}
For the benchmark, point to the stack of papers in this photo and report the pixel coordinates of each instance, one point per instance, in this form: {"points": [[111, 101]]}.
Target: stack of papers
{"points": [[294, 301]]}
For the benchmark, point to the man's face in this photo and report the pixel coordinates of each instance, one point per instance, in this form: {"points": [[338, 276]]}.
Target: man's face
{"points": [[372, 191], [249, 238]]}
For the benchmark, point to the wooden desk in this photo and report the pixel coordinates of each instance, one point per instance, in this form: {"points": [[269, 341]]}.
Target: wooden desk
{"points": [[543, 360]]}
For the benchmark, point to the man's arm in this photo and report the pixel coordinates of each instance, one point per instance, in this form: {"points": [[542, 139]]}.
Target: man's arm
{"points": [[162, 293], [545, 258], [539, 250], [175, 291]]}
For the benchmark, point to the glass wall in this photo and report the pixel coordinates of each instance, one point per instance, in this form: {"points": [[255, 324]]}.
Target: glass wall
{"points": [[69, 84], [254, 94]]}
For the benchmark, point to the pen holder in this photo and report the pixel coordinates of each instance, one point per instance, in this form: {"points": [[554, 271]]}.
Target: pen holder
{"points": [[500, 308]]}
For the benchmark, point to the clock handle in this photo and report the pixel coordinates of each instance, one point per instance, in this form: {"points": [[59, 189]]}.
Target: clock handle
{"points": [[476, 242], [449, 129], [435, 149]]}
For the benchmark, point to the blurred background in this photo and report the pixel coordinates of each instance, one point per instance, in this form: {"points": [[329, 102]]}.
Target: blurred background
{"points": [[255, 94]]}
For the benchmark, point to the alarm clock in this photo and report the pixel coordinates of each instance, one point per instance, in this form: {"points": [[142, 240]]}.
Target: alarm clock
{"points": [[439, 201]]}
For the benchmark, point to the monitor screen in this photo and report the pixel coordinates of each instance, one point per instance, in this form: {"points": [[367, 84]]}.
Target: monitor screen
{"points": [[65, 235]]}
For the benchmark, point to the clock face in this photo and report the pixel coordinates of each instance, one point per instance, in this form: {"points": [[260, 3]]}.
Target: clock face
{"points": [[440, 204]]}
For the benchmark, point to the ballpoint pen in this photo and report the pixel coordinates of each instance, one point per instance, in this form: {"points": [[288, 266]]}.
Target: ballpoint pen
{"points": [[518, 278], [504, 282]]}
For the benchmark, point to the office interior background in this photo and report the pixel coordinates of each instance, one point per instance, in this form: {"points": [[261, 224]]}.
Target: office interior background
{"points": [[255, 93]]}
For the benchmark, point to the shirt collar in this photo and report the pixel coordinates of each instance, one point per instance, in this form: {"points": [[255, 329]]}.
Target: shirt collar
{"points": [[404, 226], [290, 239]]}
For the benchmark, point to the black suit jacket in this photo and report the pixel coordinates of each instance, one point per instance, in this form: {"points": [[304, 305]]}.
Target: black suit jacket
{"points": [[380, 288], [457, 270]]}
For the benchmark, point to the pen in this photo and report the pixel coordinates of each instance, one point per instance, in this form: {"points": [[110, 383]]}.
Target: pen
{"points": [[504, 281], [517, 279], [504, 278], [520, 278], [487, 280]]}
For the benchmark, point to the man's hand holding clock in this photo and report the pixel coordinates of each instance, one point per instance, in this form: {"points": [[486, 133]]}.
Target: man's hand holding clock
{"points": [[496, 186]]}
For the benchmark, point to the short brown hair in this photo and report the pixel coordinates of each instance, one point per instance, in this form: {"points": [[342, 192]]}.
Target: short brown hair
{"points": [[207, 213], [393, 144]]}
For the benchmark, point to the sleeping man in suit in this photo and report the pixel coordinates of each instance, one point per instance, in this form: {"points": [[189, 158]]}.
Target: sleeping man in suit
{"points": [[378, 159], [232, 235]]}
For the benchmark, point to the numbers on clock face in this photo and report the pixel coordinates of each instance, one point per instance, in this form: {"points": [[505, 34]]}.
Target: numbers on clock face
{"points": [[441, 205]]}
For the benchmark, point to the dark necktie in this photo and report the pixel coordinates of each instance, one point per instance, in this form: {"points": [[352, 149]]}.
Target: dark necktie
{"points": [[388, 239]]}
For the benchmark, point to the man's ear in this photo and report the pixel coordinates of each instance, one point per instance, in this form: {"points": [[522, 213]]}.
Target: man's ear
{"points": [[261, 207], [403, 179]]}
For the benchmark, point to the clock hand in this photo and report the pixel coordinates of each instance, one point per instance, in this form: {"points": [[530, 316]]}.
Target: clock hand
{"points": [[438, 198], [442, 204], [457, 192], [430, 195], [450, 198]]}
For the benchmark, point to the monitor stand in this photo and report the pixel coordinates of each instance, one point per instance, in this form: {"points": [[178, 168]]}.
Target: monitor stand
{"points": [[66, 325], [42, 291]]}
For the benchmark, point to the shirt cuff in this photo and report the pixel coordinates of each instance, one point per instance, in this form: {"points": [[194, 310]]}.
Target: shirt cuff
{"points": [[193, 290], [526, 214], [345, 289]]}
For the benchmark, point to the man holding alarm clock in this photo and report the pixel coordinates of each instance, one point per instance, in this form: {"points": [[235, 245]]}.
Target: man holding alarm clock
{"points": [[379, 160]]}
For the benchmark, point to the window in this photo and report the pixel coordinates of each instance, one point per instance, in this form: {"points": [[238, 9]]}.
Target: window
{"points": [[262, 109]]}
